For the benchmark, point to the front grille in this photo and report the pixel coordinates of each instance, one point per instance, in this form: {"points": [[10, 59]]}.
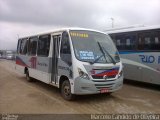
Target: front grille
{"points": [[101, 77]]}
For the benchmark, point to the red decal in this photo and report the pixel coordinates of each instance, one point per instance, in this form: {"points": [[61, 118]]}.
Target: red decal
{"points": [[113, 72], [33, 61], [18, 62]]}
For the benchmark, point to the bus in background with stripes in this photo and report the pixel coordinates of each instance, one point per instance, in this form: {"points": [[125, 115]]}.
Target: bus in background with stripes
{"points": [[139, 48], [78, 61]]}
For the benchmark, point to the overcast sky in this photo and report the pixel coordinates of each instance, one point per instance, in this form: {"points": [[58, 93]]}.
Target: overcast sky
{"points": [[22, 17]]}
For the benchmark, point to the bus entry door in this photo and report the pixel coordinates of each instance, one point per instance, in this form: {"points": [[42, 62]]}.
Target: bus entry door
{"points": [[55, 56]]}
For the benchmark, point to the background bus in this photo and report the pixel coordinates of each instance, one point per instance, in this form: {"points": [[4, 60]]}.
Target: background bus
{"points": [[139, 48], [7, 54], [3, 54], [10, 55], [78, 61]]}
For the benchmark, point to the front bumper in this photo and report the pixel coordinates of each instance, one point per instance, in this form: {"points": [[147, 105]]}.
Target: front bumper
{"points": [[83, 86]]}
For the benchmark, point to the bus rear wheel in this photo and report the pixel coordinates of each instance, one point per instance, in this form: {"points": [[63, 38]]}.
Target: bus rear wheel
{"points": [[29, 79], [66, 91]]}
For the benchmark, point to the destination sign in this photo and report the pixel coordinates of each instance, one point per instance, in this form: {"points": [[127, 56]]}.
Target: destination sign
{"points": [[82, 35]]}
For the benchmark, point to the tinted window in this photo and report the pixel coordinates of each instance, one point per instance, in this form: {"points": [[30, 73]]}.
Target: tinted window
{"points": [[149, 40], [130, 41], [32, 48], [65, 45], [155, 44], [18, 46], [23, 46], [65, 49], [43, 45], [120, 42], [125, 41], [141, 40]]}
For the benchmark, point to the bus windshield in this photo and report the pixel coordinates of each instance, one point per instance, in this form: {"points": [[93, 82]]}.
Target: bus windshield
{"points": [[93, 47]]}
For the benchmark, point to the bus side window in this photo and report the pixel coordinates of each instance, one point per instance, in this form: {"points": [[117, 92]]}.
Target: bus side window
{"points": [[32, 46], [126, 41], [18, 46], [43, 45], [65, 51], [130, 41], [155, 44], [23, 46], [119, 43], [140, 41], [145, 41]]}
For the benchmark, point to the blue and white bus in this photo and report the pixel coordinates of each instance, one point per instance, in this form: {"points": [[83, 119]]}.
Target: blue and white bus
{"points": [[139, 48], [78, 61]]}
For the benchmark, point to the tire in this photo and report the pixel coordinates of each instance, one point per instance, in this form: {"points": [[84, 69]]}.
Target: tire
{"points": [[66, 91], [28, 78]]}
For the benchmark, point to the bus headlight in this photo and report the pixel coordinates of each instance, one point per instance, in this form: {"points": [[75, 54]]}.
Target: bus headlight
{"points": [[120, 74], [83, 74]]}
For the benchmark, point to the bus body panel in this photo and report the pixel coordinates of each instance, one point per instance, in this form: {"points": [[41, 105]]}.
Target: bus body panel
{"points": [[142, 66], [39, 67]]}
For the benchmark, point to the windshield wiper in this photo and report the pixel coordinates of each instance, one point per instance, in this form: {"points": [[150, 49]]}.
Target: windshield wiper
{"points": [[105, 52], [96, 59]]}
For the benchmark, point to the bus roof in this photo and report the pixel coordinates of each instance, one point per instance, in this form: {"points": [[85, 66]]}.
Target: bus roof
{"points": [[60, 30], [131, 29]]}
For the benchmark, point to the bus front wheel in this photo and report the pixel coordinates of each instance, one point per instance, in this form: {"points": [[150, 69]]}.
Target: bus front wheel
{"points": [[66, 91]]}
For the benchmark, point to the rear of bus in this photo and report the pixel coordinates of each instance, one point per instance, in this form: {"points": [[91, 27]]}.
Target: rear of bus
{"points": [[96, 63]]}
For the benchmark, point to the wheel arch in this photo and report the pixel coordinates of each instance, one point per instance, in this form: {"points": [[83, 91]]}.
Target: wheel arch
{"points": [[61, 79]]}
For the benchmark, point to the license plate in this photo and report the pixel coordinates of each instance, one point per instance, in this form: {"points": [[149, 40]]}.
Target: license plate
{"points": [[104, 90]]}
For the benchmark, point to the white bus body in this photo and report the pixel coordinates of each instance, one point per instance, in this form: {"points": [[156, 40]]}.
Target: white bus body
{"points": [[78, 61], [139, 48]]}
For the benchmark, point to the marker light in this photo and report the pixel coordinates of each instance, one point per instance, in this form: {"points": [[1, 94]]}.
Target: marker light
{"points": [[120, 74]]}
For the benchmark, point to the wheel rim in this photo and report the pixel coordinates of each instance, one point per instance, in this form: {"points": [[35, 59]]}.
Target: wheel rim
{"points": [[66, 90]]}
